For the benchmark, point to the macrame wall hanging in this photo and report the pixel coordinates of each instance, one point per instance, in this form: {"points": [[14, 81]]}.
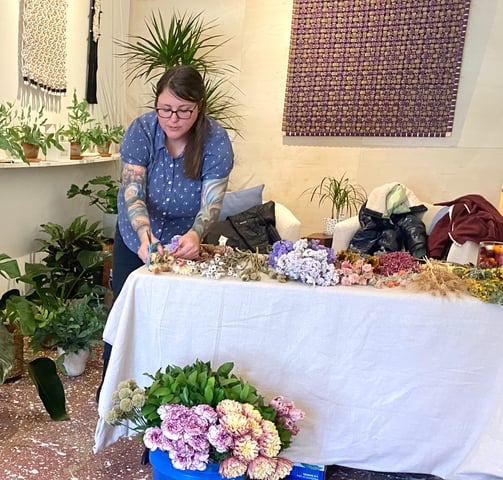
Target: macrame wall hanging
{"points": [[92, 50], [43, 45], [374, 67]]}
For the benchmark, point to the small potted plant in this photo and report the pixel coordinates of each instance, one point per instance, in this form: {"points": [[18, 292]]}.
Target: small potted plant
{"points": [[102, 192], [29, 130], [77, 130], [7, 142], [103, 135], [197, 418], [344, 197], [72, 328]]}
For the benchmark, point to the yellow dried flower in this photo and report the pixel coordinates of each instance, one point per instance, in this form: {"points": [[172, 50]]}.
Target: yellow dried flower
{"points": [[261, 468], [232, 467], [235, 423], [246, 448]]}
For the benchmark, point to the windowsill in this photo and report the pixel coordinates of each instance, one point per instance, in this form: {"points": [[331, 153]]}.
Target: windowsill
{"points": [[16, 163]]}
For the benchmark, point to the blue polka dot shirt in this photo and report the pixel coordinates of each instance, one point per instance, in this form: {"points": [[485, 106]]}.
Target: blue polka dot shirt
{"points": [[172, 199]]}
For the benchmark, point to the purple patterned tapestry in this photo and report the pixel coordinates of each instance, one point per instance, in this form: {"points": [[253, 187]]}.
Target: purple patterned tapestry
{"points": [[374, 67]]}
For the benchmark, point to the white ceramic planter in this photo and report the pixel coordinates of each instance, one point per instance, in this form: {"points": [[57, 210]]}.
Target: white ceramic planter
{"points": [[329, 225], [74, 363], [109, 223]]}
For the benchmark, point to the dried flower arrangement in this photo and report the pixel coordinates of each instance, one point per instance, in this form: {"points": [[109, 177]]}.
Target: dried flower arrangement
{"points": [[313, 264], [437, 278]]}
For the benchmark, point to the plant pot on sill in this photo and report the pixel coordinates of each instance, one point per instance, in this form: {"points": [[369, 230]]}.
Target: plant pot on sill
{"points": [[104, 152], [31, 152], [75, 151], [74, 363]]}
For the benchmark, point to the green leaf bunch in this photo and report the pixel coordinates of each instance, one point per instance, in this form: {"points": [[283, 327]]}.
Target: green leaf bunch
{"points": [[75, 326], [196, 384], [102, 191], [7, 142], [79, 120]]}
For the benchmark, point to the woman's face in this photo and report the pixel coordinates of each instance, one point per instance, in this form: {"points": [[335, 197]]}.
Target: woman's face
{"points": [[174, 127]]}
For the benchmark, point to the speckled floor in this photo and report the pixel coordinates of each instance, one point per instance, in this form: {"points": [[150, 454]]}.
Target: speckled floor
{"points": [[33, 447]]}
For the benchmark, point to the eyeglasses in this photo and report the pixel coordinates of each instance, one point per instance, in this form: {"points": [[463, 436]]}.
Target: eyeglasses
{"points": [[168, 113]]}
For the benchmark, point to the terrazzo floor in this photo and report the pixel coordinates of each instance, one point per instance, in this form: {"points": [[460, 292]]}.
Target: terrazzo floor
{"points": [[33, 447]]}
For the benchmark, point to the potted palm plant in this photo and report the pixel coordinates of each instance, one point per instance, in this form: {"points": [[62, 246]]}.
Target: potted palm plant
{"points": [[29, 130], [77, 130], [344, 197], [188, 40]]}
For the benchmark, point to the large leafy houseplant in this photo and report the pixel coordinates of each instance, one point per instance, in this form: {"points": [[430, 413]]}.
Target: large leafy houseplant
{"points": [[230, 424], [71, 269], [74, 327], [101, 191], [188, 40], [42, 371]]}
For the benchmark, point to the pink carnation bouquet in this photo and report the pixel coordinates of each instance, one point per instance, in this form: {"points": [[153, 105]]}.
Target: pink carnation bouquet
{"points": [[229, 424]]}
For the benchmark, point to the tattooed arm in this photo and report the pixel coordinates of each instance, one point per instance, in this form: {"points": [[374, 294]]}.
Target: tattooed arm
{"points": [[212, 196], [134, 180]]}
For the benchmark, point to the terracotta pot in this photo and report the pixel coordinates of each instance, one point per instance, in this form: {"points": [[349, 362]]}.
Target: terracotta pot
{"points": [[104, 152], [31, 152], [75, 151]]}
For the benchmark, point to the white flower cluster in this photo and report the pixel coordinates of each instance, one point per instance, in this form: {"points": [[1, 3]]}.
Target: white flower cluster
{"points": [[307, 265], [217, 267]]}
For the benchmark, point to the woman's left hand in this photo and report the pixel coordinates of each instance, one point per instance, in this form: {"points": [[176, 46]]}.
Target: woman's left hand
{"points": [[188, 246]]}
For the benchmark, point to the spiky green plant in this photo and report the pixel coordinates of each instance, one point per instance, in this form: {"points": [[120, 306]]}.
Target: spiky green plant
{"points": [[342, 195], [188, 40]]}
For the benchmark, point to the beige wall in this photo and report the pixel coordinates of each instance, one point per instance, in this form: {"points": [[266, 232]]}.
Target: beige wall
{"points": [[435, 169]]}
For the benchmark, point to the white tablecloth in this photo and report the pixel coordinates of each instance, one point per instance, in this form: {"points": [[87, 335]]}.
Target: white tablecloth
{"points": [[389, 380]]}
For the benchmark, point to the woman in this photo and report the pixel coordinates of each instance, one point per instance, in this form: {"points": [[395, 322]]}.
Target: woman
{"points": [[176, 163]]}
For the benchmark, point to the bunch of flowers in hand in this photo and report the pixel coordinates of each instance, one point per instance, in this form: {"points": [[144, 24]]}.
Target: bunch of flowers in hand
{"points": [[200, 416], [304, 260]]}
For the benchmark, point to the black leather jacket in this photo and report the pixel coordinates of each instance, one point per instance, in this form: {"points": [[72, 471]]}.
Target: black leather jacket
{"points": [[399, 232]]}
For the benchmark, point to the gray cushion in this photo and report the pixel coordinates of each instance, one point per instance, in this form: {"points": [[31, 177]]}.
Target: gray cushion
{"points": [[241, 200]]}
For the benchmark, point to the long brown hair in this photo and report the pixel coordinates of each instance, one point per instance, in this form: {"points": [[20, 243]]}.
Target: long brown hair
{"points": [[187, 83]]}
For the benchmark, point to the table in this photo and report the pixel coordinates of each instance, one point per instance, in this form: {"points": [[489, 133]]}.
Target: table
{"points": [[323, 238], [390, 380]]}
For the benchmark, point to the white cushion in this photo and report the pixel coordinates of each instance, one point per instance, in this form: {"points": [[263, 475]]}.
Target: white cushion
{"points": [[287, 224]]}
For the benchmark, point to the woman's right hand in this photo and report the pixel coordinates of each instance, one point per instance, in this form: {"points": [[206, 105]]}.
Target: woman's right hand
{"points": [[143, 251]]}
